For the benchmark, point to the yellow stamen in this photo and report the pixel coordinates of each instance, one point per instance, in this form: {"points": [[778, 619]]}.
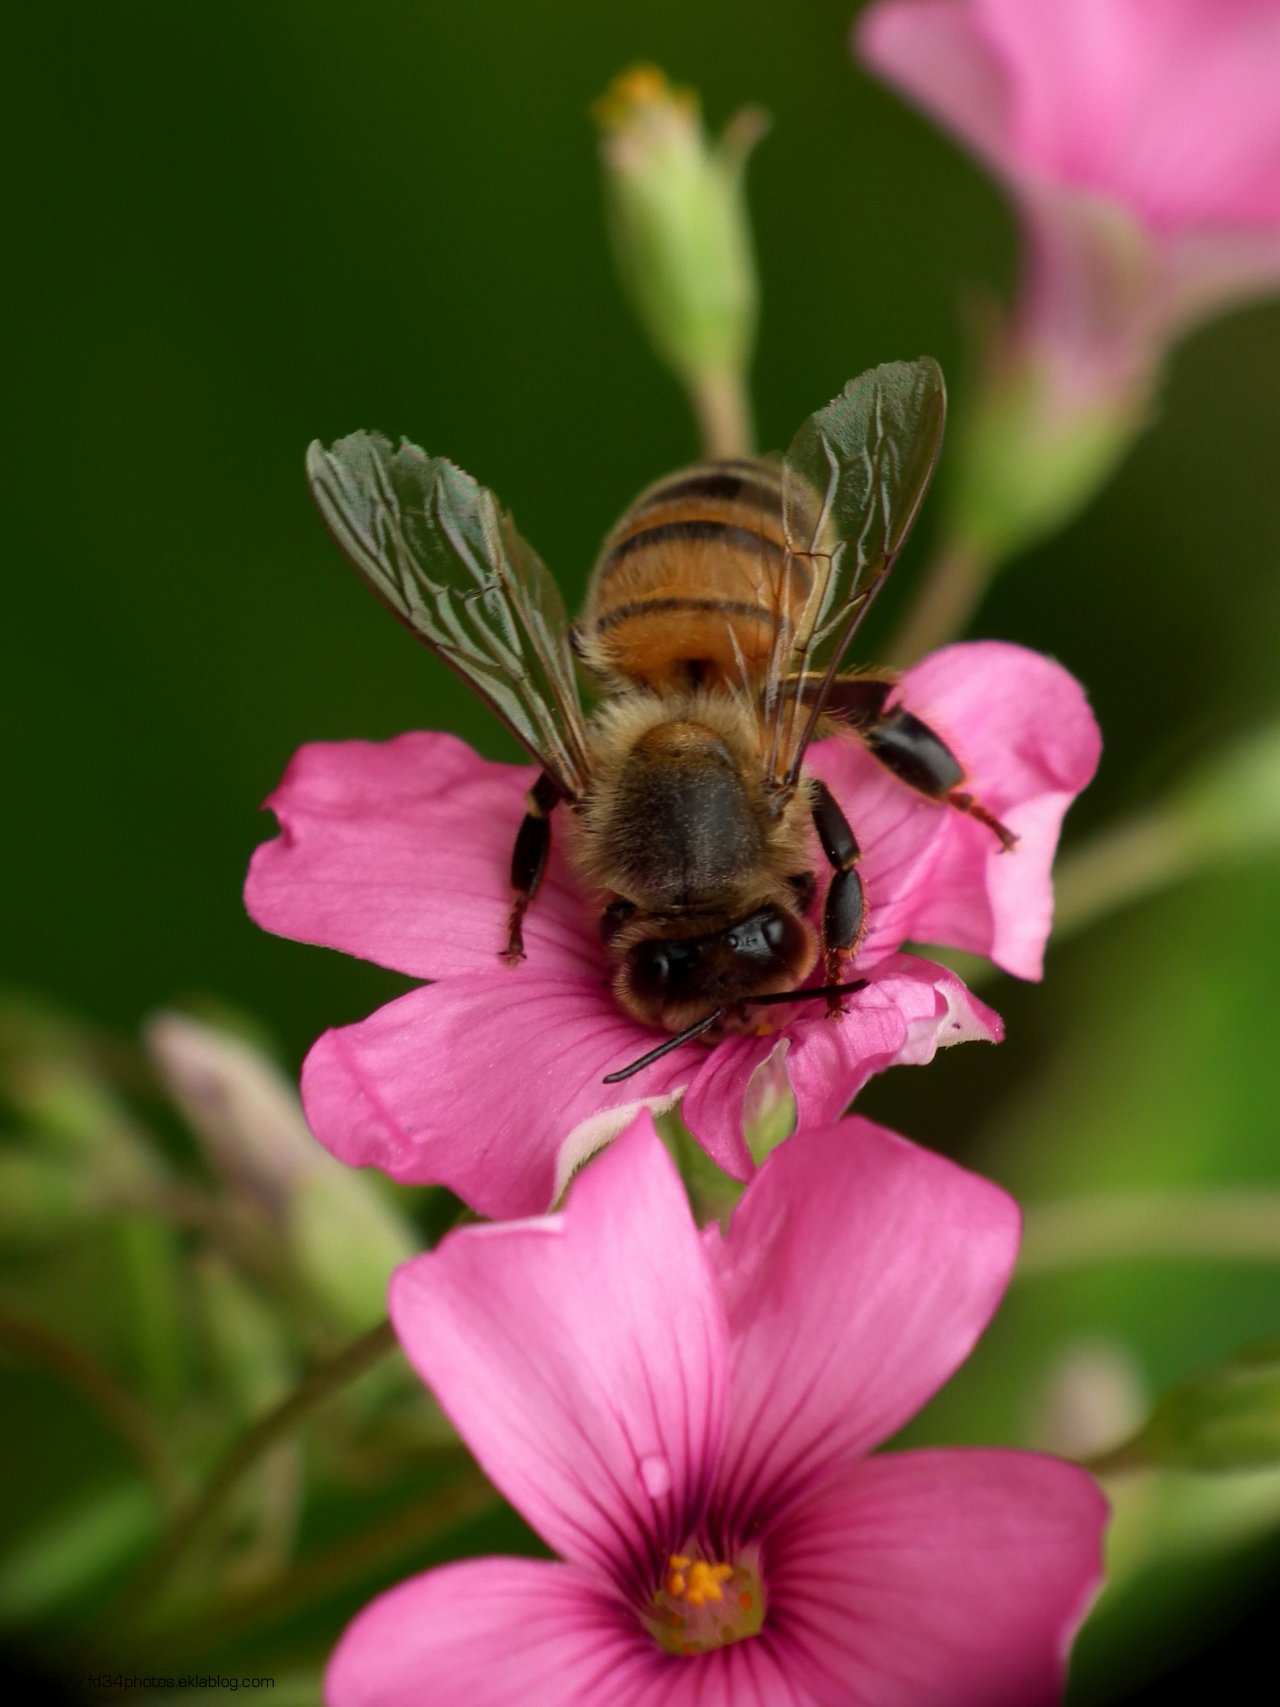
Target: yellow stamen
{"points": [[693, 1613], [695, 1581]]}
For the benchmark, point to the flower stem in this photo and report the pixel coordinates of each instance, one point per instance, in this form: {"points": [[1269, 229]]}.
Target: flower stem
{"points": [[951, 591], [315, 1389], [1130, 859], [410, 1529], [1116, 1461], [723, 411], [1224, 1226]]}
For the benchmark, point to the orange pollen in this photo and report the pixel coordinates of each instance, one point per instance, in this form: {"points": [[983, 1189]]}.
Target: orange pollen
{"points": [[706, 1603], [695, 1581]]}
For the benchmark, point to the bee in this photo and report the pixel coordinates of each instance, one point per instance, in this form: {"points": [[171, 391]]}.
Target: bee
{"points": [[717, 620]]}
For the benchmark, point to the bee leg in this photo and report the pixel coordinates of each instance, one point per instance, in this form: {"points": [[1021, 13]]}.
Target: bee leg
{"points": [[844, 912], [920, 758], [975, 809], [529, 860]]}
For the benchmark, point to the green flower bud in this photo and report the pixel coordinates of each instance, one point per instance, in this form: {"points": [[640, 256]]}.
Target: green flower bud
{"points": [[769, 1111], [680, 229], [1024, 464]]}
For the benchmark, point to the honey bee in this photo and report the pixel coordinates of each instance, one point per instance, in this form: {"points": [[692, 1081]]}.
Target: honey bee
{"points": [[717, 619]]}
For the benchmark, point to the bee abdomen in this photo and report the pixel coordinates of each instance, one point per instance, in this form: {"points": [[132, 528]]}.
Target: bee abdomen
{"points": [[693, 582]]}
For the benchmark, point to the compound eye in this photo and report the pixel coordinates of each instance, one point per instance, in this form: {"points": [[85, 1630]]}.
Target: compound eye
{"points": [[762, 937], [653, 963], [656, 966], [777, 932]]}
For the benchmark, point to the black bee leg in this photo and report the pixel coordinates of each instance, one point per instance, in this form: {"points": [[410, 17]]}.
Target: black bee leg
{"points": [[529, 859], [844, 913], [922, 759]]}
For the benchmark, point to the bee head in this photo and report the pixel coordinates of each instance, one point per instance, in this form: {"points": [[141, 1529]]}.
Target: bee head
{"points": [[672, 981]]}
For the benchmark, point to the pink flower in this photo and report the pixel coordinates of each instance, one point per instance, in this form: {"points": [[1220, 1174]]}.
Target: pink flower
{"points": [[489, 1080], [685, 1420], [1141, 142]]}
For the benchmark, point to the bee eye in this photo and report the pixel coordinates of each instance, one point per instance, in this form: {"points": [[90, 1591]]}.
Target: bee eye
{"points": [[656, 966], [776, 931], [760, 937]]}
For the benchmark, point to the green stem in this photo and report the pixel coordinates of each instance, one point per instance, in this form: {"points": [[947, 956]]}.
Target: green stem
{"points": [[1119, 865], [424, 1523], [723, 411], [951, 591], [316, 1388], [1115, 1462], [1225, 1226]]}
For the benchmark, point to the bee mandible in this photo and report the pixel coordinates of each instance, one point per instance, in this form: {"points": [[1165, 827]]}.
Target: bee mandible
{"points": [[717, 621]]}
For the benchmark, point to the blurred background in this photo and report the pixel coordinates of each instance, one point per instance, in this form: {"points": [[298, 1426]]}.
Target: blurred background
{"points": [[237, 227]]}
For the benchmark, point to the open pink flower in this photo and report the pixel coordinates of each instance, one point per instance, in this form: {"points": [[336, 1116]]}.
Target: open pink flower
{"points": [[685, 1420], [1141, 142], [490, 1080]]}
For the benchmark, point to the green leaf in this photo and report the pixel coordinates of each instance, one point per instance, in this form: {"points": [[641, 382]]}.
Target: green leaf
{"points": [[1226, 1419], [74, 1549]]}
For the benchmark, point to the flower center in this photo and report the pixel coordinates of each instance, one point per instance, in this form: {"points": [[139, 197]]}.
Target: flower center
{"points": [[706, 1603]]}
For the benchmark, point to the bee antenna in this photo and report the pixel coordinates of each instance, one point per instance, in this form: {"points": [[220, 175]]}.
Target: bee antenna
{"points": [[685, 1036], [806, 995]]}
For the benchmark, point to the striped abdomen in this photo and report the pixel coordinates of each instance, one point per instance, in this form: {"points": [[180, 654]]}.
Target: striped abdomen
{"points": [[693, 582]]}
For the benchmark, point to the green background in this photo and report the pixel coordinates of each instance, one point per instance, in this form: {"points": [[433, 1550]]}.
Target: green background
{"points": [[236, 227]]}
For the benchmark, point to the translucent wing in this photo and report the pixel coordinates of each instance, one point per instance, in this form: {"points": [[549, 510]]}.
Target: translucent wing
{"points": [[441, 553], [853, 481]]}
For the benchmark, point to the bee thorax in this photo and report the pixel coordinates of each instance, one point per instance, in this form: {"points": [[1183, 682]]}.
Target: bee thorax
{"points": [[679, 827]]}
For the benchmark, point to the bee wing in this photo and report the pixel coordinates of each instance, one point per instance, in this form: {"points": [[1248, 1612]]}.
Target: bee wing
{"points": [[445, 557], [853, 481]]}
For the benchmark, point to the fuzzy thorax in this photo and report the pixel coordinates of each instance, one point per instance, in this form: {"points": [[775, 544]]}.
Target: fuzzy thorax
{"points": [[678, 819]]}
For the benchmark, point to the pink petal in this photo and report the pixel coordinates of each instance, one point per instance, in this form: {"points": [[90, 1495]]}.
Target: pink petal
{"points": [[491, 1084], [400, 852], [487, 1633], [582, 1358], [1021, 726], [1142, 144], [1170, 110], [754, 1673], [910, 1009], [939, 1579], [857, 1274], [493, 1632], [936, 52], [1206, 271]]}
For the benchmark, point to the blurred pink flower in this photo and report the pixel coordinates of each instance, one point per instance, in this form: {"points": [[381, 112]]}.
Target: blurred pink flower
{"points": [[685, 1420], [489, 1080], [1141, 142]]}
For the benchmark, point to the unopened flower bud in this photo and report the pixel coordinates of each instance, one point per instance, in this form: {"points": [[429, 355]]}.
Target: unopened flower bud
{"points": [[1030, 454], [341, 1231], [679, 221]]}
